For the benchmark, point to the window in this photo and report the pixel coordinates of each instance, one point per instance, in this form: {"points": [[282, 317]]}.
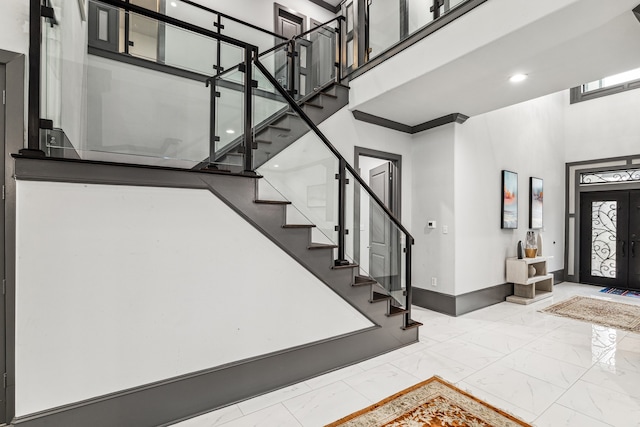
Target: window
{"points": [[606, 86]]}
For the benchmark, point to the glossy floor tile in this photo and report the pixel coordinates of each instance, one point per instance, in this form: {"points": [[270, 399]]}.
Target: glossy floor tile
{"points": [[548, 370]]}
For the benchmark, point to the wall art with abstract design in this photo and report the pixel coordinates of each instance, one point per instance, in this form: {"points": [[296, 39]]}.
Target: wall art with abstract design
{"points": [[509, 199], [535, 203]]}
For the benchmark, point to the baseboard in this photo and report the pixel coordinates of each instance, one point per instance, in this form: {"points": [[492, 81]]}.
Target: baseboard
{"points": [[176, 399], [558, 276], [456, 305]]}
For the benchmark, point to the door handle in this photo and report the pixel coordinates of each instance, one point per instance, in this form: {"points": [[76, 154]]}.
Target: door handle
{"points": [[622, 252]]}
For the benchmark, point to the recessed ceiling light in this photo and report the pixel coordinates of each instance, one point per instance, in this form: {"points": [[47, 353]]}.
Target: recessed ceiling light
{"points": [[517, 78], [174, 4], [231, 131], [276, 166]]}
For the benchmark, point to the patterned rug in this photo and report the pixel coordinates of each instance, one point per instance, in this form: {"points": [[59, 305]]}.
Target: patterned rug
{"points": [[623, 292], [432, 403], [601, 312]]}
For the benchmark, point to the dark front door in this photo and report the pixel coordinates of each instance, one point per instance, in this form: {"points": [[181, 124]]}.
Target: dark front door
{"points": [[610, 238], [383, 237]]}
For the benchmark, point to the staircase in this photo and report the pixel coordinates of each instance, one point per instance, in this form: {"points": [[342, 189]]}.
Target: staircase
{"points": [[362, 292], [284, 128]]}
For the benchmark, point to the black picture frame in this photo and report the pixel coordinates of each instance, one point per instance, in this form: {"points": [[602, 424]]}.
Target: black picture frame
{"points": [[509, 203], [536, 203]]}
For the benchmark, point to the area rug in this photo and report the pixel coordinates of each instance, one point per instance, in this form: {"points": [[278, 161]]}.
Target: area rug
{"points": [[623, 292], [432, 403], [601, 312]]}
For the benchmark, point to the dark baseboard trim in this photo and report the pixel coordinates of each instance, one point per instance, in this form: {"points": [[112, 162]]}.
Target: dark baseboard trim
{"points": [[380, 121], [558, 276], [166, 402], [456, 305]]}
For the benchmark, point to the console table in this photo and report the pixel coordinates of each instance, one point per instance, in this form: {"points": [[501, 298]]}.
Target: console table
{"points": [[528, 289]]}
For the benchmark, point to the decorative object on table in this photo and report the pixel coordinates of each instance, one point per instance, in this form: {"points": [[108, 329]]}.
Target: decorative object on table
{"points": [[535, 202], [532, 270], [599, 311], [509, 215], [623, 292], [540, 253], [520, 250], [531, 247], [432, 403]]}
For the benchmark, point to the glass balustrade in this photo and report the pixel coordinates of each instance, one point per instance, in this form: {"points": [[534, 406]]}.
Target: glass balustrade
{"points": [[374, 242]]}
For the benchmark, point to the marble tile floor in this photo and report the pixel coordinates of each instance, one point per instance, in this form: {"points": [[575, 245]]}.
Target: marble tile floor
{"points": [[549, 371]]}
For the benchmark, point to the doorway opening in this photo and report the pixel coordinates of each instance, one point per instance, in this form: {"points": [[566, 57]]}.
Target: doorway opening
{"points": [[610, 238], [378, 251]]}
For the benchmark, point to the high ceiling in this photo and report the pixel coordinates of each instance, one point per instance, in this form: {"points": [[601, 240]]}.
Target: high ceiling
{"points": [[465, 66]]}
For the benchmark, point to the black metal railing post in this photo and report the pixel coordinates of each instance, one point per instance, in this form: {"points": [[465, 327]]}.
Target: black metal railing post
{"points": [[249, 84], [435, 9], [342, 215], [291, 72], [213, 138], [338, 58], [35, 60], [408, 287]]}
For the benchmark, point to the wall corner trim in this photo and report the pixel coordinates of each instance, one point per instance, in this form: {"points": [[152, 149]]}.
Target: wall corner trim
{"points": [[390, 124]]}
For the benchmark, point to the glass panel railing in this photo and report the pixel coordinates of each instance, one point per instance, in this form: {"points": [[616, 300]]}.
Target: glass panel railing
{"points": [[229, 121], [419, 14], [98, 107], [375, 242], [304, 172], [315, 60], [276, 61], [253, 36]]}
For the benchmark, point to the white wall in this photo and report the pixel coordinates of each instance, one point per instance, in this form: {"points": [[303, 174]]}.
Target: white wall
{"points": [[14, 26], [602, 127], [130, 288], [432, 195], [526, 138]]}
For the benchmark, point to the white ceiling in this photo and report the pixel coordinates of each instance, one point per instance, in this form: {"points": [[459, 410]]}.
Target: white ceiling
{"points": [[464, 67]]}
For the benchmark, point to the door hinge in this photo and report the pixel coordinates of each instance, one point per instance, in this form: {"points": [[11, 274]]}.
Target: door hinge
{"points": [[4, 286], [4, 97], [4, 380], [4, 192]]}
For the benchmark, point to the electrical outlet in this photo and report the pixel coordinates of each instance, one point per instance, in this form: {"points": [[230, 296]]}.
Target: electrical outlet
{"points": [[434, 282], [445, 229]]}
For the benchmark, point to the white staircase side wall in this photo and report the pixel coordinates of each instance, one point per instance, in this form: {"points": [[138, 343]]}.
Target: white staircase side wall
{"points": [[121, 286]]}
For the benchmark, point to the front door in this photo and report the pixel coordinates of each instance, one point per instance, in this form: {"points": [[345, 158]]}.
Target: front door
{"points": [[610, 238], [383, 238]]}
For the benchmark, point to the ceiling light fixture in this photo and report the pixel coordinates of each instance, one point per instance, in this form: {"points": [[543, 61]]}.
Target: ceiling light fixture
{"points": [[517, 78], [174, 4], [276, 166], [230, 131]]}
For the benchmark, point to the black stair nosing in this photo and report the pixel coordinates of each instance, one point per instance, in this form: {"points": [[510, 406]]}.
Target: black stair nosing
{"points": [[412, 324], [377, 297], [271, 202], [340, 267], [311, 104], [321, 246], [282, 128], [299, 226], [395, 311]]}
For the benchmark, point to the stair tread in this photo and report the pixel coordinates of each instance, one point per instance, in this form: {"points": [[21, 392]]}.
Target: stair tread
{"points": [[378, 297], [298, 226], [338, 267], [272, 202], [330, 95], [322, 246], [278, 127], [263, 141], [311, 104], [412, 324], [363, 281], [394, 311]]}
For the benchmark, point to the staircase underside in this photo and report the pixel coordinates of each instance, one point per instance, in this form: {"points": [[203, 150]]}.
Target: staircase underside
{"points": [[189, 395]]}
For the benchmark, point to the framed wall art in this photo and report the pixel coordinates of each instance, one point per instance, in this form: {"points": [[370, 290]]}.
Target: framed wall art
{"points": [[509, 200], [536, 198]]}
